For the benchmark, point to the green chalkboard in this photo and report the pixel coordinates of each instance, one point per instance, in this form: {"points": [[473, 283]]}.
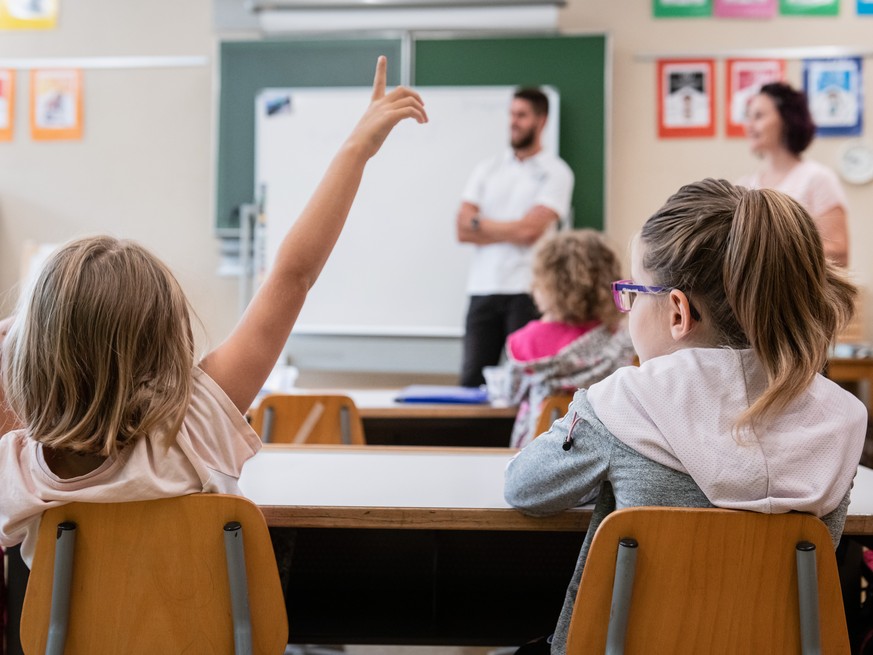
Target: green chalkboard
{"points": [[575, 65], [249, 66]]}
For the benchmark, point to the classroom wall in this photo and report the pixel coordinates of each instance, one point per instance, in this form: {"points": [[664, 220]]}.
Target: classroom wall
{"points": [[145, 168], [646, 170]]}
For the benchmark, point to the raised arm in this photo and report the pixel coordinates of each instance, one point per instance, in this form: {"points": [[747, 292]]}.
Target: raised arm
{"points": [[242, 363], [523, 231]]}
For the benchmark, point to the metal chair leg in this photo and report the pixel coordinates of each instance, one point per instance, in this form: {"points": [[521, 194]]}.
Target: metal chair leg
{"points": [[59, 617], [345, 425], [239, 588], [807, 591], [622, 589], [267, 426]]}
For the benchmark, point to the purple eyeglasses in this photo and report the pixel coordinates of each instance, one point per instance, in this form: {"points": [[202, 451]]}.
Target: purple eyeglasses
{"points": [[624, 292]]}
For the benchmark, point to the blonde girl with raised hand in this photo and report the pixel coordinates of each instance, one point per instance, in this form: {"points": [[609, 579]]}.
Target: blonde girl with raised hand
{"points": [[732, 309], [99, 361]]}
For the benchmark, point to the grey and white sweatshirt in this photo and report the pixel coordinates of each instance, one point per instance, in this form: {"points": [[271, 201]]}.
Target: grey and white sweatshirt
{"points": [[663, 434]]}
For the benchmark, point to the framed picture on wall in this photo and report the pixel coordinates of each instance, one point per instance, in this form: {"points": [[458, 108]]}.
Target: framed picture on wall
{"points": [[833, 87], [7, 103], [686, 98], [55, 105], [744, 78], [865, 7], [745, 8], [681, 8]]}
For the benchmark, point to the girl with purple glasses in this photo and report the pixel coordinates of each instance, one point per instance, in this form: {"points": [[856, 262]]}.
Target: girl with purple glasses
{"points": [[732, 309]]}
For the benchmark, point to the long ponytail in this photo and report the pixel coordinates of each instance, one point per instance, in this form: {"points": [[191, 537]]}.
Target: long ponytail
{"points": [[789, 301]]}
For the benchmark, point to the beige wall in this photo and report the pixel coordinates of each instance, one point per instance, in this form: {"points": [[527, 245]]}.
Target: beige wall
{"points": [[645, 170], [145, 169]]}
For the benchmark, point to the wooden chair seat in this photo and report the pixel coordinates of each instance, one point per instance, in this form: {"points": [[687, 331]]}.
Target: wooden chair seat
{"points": [[551, 409], [709, 581], [308, 418], [153, 577]]}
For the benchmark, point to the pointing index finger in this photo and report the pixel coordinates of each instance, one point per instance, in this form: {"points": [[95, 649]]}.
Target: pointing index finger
{"points": [[379, 80]]}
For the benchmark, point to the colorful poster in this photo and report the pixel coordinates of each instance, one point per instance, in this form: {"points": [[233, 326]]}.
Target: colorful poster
{"points": [[681, 8], [745, 8], [7, 103], [833, 87], [28, 14], [865, 7], [56, 105], [809, 7], [686, 98], [744, 78]]}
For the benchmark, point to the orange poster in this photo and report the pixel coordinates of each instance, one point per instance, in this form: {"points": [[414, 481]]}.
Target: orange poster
{"points": [[686, 98], [745, 79], [7, 103], [56, 105]]}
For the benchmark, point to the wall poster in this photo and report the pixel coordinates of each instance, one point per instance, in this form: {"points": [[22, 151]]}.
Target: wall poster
{"points": [[7, 103], [56, 105], [744, 78], [833, 87], [686, 98]]}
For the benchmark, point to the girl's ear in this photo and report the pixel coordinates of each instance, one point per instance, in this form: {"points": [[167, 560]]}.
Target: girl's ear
{"points": [[681, 321]]}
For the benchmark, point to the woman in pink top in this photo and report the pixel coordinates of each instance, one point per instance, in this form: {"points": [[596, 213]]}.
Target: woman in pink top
{"points": [[99, 362], [779, 128], [578, 340]]}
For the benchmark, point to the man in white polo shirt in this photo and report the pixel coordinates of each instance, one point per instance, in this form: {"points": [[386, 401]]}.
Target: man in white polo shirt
{"points": [[510, 201]]}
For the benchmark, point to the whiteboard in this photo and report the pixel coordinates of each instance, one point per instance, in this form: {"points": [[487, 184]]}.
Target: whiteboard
{"points": [[397, 269]]}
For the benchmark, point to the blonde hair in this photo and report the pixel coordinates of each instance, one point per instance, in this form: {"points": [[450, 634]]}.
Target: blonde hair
{"points": [[753, 263], [573, 271], [101, 350]]}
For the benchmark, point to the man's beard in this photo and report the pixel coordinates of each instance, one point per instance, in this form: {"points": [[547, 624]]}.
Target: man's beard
{"points": [[525, 140]]}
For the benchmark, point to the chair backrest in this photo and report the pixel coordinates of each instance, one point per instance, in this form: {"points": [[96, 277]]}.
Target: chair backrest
{"points": [[708, 581], [551, 409], [308, 418], [152, 577]]}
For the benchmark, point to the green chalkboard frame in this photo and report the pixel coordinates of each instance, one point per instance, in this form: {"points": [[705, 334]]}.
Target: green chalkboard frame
{"points": [[246, 67], [577, 65]]}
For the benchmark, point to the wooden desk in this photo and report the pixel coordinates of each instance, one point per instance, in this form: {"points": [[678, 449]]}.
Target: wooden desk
{"points": [[410, 546], [419, 546], [389, 423], [854, 370], [401, 545]]}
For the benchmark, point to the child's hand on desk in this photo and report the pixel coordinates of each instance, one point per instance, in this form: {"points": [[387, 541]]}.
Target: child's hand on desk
{"points": [[384, 112]]}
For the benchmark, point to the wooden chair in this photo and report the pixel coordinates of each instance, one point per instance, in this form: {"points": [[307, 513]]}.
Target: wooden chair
{"points": [[552, 408], [308, 418], [709, 581], [162, 576]]}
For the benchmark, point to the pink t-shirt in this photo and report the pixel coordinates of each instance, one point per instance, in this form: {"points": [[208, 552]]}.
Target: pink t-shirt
{"points": [[540, 339], [207, 456], [814, 186]]}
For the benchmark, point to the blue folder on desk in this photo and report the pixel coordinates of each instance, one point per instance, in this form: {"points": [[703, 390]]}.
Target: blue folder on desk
{"points": [[419, 393]]}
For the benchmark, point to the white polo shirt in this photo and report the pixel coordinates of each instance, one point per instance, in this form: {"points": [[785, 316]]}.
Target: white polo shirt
{"points": [[505, 189]]}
